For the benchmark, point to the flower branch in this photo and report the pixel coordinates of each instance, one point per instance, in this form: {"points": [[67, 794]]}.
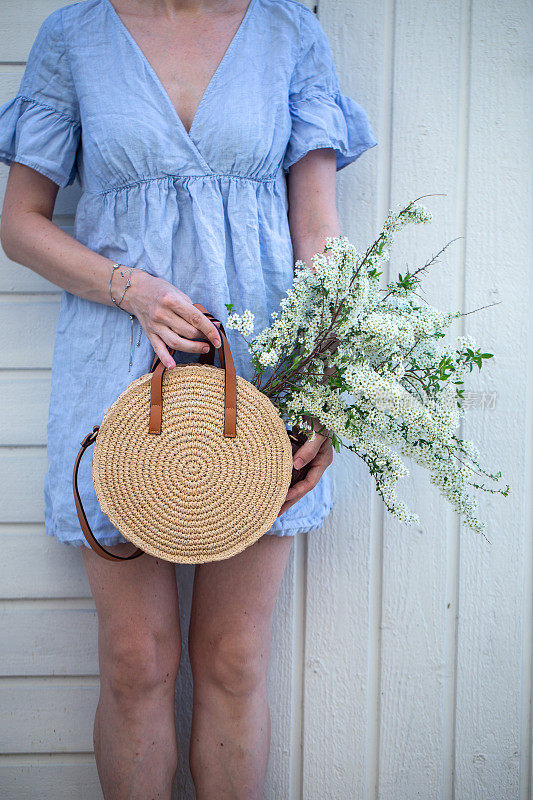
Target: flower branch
{"points": [[369, 367]]}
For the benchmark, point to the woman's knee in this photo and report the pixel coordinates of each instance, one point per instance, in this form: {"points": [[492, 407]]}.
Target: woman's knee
{"points": [[234, 661], [136, 664]]}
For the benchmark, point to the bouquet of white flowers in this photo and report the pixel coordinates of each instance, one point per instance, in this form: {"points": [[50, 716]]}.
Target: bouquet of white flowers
{"points": [[368, 363]]}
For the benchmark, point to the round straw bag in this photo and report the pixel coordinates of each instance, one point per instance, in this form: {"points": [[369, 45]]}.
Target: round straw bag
{"points": [[190, 464]]}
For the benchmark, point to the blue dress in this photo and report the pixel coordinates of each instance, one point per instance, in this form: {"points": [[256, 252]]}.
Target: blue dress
{"points": [[205, 210]]}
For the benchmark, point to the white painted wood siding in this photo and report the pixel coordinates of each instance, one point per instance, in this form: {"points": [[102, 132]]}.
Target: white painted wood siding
{"points": [[401, 657]]}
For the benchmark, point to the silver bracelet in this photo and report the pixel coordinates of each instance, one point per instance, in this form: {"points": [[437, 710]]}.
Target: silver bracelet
{"points": [[114, 267], [128, 283]]}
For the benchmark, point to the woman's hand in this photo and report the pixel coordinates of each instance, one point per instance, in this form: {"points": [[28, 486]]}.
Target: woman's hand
{"points": [[319, 454], [168, 317]]}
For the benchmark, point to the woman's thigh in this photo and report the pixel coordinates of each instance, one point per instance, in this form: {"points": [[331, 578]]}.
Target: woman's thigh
{"points": [[138, 615], [232, 605]]}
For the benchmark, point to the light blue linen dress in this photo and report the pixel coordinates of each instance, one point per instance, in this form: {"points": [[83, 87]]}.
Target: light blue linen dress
{"points": [[205, 210]]}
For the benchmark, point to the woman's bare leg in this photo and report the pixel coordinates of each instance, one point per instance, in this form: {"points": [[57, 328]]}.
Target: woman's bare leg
{"points": [[139, 643], [229, 647]]}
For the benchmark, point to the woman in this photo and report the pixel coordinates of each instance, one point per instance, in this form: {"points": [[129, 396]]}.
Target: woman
{"points": [[206, 138]]}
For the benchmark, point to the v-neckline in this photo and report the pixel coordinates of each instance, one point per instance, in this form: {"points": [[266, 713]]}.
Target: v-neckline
{"points": [[136, 46]]}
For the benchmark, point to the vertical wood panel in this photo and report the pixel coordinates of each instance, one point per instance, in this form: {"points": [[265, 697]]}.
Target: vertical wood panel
{"points": [[415, 667], [498, 265], [336, 659]]}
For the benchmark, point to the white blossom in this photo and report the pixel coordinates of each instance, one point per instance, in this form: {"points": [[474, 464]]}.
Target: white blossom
{"points": [[394, 391], [244, 323]]}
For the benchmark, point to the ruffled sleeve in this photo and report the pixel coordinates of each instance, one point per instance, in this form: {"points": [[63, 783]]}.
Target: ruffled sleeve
{"points": [[40, 126], [321, 115]]}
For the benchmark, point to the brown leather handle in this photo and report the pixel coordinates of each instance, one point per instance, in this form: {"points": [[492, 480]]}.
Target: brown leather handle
{"points": [[84, 523], [230, 384]]}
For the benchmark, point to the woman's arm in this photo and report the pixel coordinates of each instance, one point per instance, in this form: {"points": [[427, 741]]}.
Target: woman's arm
{"points": [[312, 217], [312, 209], [29, 237]]}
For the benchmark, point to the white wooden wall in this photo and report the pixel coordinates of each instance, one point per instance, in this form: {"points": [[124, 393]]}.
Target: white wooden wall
{"points": [[401, 657]]}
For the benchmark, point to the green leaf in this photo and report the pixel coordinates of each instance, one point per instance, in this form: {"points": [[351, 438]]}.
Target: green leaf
{"points": [[335, 441]]}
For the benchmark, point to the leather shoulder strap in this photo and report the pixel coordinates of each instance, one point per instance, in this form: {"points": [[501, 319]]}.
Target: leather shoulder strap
{"points": [[84, 523]]}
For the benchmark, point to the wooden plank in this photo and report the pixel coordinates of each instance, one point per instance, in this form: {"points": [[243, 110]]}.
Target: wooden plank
{"points": [[23, 24], [10, 82], [39, 565], [50, 778], [48, 639], [416, 669], [18, 278], [22, 472], [25, 408], [27, 331], [47, 715], [284, 674], [337, 662], [336, 680], [498, 258]]}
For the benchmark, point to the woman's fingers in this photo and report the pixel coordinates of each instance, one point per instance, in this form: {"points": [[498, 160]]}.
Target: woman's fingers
{"points": [[318, 465], [301, 488], [198, 321], [180, 326], [178, 342], [309, 482], [308, 451], [168, 313], [161, 350]]}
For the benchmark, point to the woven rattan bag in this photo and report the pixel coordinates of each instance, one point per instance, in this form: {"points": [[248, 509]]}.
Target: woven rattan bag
{"points": [[190, 464]]}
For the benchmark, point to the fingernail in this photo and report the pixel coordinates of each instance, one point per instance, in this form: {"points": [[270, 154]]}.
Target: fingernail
{"points": [[217, 342], [205, 349], [298, 463]]}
